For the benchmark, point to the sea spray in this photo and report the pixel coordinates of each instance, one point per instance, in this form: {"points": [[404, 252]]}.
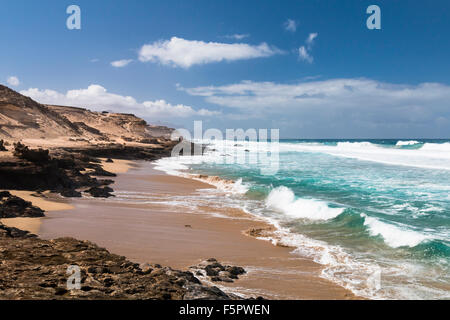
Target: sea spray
{"points": [[283, 200], [355, 207]]}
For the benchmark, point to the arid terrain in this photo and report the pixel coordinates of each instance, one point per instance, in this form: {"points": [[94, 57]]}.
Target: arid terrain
{"points": [[56, 152]]}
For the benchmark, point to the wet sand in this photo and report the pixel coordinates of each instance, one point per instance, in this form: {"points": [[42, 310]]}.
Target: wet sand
{"points": [[169, 235]]}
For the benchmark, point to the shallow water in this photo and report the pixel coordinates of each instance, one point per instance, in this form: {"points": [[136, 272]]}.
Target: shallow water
{"points": [[374, 213]]}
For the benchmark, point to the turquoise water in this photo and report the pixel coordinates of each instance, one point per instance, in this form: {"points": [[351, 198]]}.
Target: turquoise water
{"points": [[364, 209]]}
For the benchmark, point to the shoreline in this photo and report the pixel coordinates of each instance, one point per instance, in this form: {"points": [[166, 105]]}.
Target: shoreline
{"points": [[160, 233]]}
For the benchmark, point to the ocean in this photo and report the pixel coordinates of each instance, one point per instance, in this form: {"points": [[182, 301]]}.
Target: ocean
{"points": [[374, 213]]}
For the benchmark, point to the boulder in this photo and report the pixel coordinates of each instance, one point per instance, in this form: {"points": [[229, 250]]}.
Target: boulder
{"points": [[97, 192], [216, 272], [14, 207]]}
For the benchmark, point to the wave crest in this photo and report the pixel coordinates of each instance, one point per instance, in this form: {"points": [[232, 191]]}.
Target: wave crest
{"points": [[283, 199], [392, 235]]}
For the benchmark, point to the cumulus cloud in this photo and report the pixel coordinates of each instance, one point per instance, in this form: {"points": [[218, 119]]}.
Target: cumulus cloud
{"points": [[183, 53], [97, 98], [121, 63], [290, 25], [13, 81]]}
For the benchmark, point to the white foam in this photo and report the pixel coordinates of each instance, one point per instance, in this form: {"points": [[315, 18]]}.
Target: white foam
{"points": [[394, 236], [236, 187], [429, 156], [283, 199], [171, 165], [352, 145], [407, 143]]}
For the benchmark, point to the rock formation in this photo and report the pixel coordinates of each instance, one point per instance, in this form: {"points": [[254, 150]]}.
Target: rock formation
{"points": [[44, 264]]}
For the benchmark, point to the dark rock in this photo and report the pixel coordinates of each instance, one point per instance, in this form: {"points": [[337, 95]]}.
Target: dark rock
{"points": [[109, 160], [9, 232], [13, 207], [99, 171], [36, 269], [2, 146], [236, 270], [218, 272], [61, 172], [211, 272], [36, 156], [60, 291], [5, 194], [97, 192], [71, 193]]}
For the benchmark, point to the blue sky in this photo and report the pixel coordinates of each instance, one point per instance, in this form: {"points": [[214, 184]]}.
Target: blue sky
{"points": [[184, 63]]}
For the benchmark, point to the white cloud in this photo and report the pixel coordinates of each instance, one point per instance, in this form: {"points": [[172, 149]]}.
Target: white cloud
{"points": [[183, 53], [311, 38], [305, 52], [355, 96], [97, 98], [13, 81], [121, 63], [237, 36], [290, 25], [304, 55]]}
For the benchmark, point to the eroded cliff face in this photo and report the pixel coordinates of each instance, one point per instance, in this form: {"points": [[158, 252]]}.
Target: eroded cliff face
{"points": [[114, 126], [24, 118]]}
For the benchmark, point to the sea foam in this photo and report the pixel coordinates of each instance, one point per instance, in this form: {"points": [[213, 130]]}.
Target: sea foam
{"points": [[407, 143], [394, 236], [283, 199]]}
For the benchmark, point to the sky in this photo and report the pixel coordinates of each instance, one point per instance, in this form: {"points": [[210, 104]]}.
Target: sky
{"points": [[310, 68]]}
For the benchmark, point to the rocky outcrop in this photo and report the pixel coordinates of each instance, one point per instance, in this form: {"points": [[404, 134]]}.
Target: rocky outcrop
{"points": [[128, 152], [39, 156], [13, 233], [14, 207], [60, 172], [44, 266], [215, 271], [104, 192]]}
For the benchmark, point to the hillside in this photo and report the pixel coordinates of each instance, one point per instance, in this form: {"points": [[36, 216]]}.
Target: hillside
{"points": [[111, 125], [22, 118]]}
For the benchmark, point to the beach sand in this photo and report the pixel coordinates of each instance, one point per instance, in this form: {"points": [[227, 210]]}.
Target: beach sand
{"points": [[168, 235], [51, 203], [117, 166]]}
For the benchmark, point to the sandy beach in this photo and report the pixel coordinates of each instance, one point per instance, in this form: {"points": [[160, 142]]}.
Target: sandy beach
{"points": [[157, 232], [48, 204]]}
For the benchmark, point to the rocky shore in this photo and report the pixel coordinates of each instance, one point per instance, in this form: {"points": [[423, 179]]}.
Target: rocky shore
{"points": [[32, 268], [61, 150]]}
